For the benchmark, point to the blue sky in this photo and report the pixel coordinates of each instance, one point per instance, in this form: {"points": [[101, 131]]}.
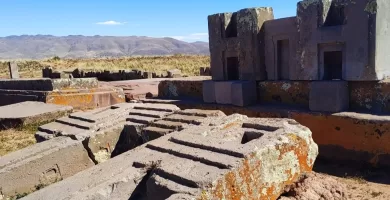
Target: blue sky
{"points": [[184, 20]]}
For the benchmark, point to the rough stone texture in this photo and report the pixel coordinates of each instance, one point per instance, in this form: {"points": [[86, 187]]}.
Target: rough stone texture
{"points": [[44, 84], [26, 113], [287, 93], [181, 88], [365, 57], [365, 96], [277, 30], [315, 186], [247, 44], [13, 70], [78, 93], [103, 75], [223, 158], [87, 98], [370, 96], [209, 91], [138, 132], [329, 96], [72, 144], [345, 137], [42, 164], [244, 93], [223, 92]]}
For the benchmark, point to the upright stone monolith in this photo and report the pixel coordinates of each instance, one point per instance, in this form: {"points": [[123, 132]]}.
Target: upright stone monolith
{"points": [[13, 70]]}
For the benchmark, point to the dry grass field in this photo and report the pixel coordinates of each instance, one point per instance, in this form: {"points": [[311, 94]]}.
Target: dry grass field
{"points": [[188, 64], [15, 139]]}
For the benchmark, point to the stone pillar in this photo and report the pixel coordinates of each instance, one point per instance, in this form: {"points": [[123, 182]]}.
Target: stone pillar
{"points": [[13, 70]]}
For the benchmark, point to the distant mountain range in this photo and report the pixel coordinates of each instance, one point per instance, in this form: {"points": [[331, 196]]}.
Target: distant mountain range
{"points": [[77, 46]]}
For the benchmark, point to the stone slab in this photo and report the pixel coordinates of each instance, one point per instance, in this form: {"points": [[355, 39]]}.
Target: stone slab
{"points": [[209, 92], [329, 96], [223, 92], [244, 93], [46, 84], [29, 112], [192, 166], [39, 165]]}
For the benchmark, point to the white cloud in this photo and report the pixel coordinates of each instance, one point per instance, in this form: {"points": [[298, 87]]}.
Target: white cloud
{"points": [[193, 37], [111, 23]]}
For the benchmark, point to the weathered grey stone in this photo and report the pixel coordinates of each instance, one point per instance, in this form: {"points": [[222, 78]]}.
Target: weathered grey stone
{"points": [[25, 113], [281, 36], [239, 36], [321, 29], [174, 73], [329, 96], [244, 93], [223, 92], [207, 161], [46, 84], [39, 165], [209, 91], [13, 70]]}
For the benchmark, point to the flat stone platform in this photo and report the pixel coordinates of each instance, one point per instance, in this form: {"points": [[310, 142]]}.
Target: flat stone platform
{"points": [[21, 114]]}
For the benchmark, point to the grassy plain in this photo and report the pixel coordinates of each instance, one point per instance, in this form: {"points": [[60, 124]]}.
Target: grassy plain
{"points": [[188, 64]]}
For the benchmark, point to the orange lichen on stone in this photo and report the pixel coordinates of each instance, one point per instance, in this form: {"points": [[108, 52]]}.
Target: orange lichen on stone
{"points": [[349, 133], [249, 181]]}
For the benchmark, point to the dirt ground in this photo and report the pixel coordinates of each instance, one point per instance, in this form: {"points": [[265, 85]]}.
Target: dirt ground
{"points": [[361, 182]]}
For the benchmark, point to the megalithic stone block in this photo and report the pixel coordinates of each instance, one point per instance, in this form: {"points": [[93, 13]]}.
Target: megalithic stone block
{"points": [[209, 91], [329, 96], [229, 157], [223, 92], [244, 93]]}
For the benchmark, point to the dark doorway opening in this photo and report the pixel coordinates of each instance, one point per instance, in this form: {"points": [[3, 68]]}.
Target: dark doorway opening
{"points": [[231, 29], [232, 64], [283, 59], [333, 65], [336, 15]]}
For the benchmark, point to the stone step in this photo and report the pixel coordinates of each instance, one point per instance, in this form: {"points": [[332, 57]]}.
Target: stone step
{"points": [[183, 118], [168, 124], [63, 129], [85, 116], [76, 123], [205, 156], [158, 107], [43, 136], [149, 113], [152, 133], [201, 113], [141, 119]]}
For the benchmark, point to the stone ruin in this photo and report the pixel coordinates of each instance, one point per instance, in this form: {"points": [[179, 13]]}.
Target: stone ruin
{"points": [[201, 154], [330, 43], [109, 75], [187, 149], [78, 93]]}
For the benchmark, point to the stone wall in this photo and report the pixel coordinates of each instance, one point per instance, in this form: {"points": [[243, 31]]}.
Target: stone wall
{"points": [[105, 75], [371, 97]]}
